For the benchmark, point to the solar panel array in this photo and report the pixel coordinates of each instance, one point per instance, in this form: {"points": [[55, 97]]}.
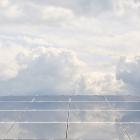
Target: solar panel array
{"points": [[70, 117]]}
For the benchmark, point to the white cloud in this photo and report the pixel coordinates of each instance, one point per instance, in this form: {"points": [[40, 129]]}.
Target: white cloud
{"points": [[13, 12], [57, 14], [8, 64], [96, 40], [128, 71], [4, 3], [125, 7], [44, 69], [9, 11], [53, 70]]}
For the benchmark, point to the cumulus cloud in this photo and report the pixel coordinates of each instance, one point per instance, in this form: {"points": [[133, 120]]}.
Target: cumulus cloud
{"points": [[89, 45], [41, 69], [128, 71], [8, 64]]}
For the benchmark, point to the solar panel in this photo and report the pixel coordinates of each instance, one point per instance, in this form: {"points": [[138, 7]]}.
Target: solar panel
{"points": [[70, 117]]}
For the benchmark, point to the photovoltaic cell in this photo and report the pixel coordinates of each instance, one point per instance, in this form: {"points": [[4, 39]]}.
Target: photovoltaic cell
{"points": [[90, 117]]}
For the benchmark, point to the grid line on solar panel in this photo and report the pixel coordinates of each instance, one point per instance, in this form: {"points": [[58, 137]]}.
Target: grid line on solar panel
{"points": [[64, 110], [73, 109], [70, 122], [120, 104]]}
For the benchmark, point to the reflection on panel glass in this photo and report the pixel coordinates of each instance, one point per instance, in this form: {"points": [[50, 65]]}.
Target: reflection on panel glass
{"points": [[71, 117]]}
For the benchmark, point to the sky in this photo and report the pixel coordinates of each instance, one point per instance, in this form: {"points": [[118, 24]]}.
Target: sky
{"points": [[69, 47]]}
